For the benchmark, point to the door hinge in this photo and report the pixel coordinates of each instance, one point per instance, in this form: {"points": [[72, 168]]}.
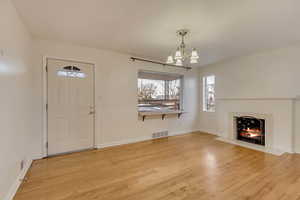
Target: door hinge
{"points": [[46, 145], [46, 68], [46, 107]]}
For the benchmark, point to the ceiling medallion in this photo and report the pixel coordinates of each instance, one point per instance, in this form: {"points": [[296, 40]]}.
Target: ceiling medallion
{"points": [[181, 54]]}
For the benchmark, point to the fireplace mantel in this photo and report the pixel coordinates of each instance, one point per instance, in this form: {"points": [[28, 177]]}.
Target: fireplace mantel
{"points": [[260, 99]]}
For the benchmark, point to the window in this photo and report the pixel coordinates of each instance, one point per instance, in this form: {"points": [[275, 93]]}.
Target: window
{"points": [[159, 91], [70, 74], [71, 71], [209, 94]]}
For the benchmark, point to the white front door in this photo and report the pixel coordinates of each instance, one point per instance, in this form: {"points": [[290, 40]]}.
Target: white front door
{"points": [[70, 106]]}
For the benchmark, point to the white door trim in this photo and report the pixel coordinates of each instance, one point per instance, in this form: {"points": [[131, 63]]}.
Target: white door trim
{"points": [[45, 100]]}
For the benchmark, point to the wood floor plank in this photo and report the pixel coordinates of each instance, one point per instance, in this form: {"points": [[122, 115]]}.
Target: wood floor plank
{"points": [[187, 167]]}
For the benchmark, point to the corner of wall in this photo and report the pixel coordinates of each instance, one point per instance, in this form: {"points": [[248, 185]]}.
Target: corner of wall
{"points": [[20, 178]]}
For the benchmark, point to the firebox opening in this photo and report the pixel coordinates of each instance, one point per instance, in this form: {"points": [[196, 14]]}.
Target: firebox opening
{"points": [[251, 130]]}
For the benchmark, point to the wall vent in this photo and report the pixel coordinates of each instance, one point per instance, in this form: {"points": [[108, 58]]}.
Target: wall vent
{"points": [[160, 134]]}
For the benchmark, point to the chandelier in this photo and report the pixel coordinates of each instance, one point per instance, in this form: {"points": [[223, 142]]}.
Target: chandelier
{"points": [[181, 54]]}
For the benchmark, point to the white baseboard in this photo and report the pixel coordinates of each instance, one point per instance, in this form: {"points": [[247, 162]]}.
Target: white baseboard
{"points": [[38, 157], [182, 132], [128, 141], [135, 140], [212, 132], [14, 188], [273, 151]]}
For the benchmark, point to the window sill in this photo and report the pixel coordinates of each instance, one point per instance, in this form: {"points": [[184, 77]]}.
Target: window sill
{"points": [[163, 113]]}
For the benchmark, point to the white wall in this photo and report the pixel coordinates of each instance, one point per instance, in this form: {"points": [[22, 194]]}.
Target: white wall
{"points": [[16, 107], [268, 75], [116, 93]]}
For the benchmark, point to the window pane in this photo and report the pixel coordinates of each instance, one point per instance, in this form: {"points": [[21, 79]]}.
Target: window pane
{"points": [[151, 89], [157, 92], [209, 93], [174, 89], [72, 74], [210, 80]]}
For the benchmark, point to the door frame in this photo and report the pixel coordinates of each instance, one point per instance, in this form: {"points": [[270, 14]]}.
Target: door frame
{"points": [[45, 100]]}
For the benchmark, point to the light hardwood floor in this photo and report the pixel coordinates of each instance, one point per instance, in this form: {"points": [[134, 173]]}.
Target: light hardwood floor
{"points": [[191, 167]]}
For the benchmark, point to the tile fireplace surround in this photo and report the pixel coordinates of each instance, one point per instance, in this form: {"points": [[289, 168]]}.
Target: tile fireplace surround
{"points": [[278, 116]]}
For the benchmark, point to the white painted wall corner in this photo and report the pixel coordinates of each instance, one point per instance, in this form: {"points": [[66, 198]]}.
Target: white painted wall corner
{"points": [[14, 188]]}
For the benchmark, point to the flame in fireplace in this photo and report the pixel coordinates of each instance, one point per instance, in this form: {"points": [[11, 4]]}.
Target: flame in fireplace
{"points": [[250, 133]]}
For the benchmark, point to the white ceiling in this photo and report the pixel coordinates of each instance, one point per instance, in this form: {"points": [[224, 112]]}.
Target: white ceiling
{"points": [[219, 28]]}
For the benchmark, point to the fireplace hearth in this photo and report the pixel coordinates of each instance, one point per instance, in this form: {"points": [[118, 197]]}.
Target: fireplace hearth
{"points": [[250, 129]]}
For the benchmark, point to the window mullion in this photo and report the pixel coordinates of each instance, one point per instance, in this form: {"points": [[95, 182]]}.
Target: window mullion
{"points": [[166, 90]]}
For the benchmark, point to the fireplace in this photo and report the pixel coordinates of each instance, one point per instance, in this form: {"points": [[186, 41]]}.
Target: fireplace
{"points": [[250, 129]]}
